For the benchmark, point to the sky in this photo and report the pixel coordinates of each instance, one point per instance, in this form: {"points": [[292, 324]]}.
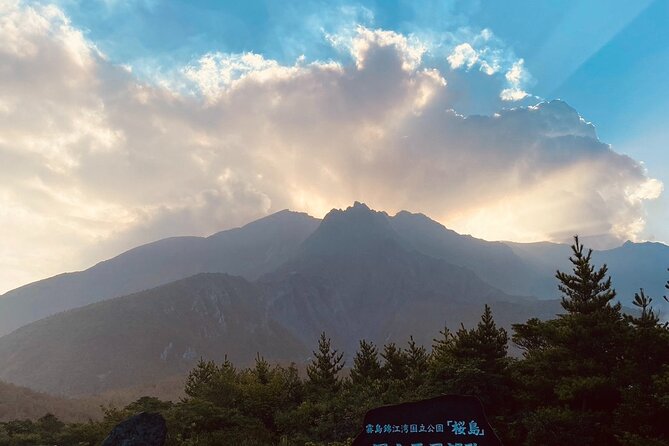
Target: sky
{"points": [[126, 121]]}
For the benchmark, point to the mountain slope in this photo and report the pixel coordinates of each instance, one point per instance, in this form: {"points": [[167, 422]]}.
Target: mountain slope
{"points": [[356, 277], [494, 262], [145, 337], [249, 251], [20, 403]]}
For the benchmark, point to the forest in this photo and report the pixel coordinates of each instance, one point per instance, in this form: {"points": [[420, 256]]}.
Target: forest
{"points": [[593, 375]]}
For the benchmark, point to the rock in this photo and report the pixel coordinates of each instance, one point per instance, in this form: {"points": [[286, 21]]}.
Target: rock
{"points": [[143, 429]]}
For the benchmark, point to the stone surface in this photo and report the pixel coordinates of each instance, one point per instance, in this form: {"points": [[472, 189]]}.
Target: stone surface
{"points": [[143, 429]]}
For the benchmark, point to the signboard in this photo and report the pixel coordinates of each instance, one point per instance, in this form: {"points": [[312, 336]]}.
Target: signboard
{"points": [[449, 420]]}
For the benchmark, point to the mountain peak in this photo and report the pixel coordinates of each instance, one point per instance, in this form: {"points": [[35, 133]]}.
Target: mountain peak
{"points": [[353, 227]]}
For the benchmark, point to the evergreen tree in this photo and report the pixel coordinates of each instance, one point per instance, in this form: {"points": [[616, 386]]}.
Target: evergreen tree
{"points": [[366, 366], [641, 417], [487, 343], [261, 370], [441, 359], [417, 364], [395, 365], [203, 374], [573, 367], [586, 290], [647, 318], [325, 367]]}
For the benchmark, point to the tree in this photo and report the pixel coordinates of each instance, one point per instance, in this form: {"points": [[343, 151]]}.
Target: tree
{"points": [[574, 366], [417, 364], [325, 367], [395, 365], [487, 343], [641, 417], [647, 318], [366, 366], [586, 290]]}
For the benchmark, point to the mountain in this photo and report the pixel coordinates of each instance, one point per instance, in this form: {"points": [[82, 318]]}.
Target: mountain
{"points": [[146, 337], [248, 251], [357, 277], [260, 247], [356, 274], [494, 262], [354, 277], [631, 266]]}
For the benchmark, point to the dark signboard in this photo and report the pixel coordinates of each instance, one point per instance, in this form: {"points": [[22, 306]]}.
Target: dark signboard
{"points": [[449, 420]]}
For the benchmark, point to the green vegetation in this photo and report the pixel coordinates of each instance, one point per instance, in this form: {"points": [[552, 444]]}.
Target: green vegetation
{"points": [[591, 376]]}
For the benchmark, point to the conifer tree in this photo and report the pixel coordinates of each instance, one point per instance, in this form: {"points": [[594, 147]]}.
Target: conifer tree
{"points": [[647, 318], [486, 342], [586, 290], [573, 368], [395, 362], [417, 363], [325, 367], [366, 365], [262, 370], [441, 347], [201, 375]]}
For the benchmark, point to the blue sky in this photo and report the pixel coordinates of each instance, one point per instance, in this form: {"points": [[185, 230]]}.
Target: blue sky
{"points": [[125, 121]]}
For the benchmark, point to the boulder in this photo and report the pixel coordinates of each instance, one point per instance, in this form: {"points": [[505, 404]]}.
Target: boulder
{"points": [[143, 429]]}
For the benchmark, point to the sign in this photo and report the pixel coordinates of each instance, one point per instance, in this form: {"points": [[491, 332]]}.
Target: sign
{"points": [[449, 420]]}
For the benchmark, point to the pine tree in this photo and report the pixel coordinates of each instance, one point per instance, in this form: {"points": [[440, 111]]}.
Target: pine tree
{"points": [[366, 366], [262, 370], [586, 290], [417, 363], [395, 362], [324, 369], [574, 365], [647, 318], [200, 376], [441, 347], [486, 342], [642, 415]]}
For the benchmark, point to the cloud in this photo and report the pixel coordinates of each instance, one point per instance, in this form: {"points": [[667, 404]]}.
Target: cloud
{"points": [[95, 161], [491, 56]]}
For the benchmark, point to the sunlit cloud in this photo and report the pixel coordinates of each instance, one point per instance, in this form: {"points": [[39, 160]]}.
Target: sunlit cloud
{"points": [[95, 160]]}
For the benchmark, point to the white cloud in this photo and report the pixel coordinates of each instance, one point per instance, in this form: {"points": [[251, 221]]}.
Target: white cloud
{"points": [[492, 57], [463, 55], [94, 161], [512, 94], [516, 77]]}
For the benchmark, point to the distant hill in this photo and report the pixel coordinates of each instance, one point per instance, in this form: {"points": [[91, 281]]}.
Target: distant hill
{"points": [[19, 403], [631, 266], [249, 251]]}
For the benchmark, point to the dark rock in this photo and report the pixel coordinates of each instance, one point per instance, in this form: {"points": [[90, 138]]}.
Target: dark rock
{"points": [[143, 429]]}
